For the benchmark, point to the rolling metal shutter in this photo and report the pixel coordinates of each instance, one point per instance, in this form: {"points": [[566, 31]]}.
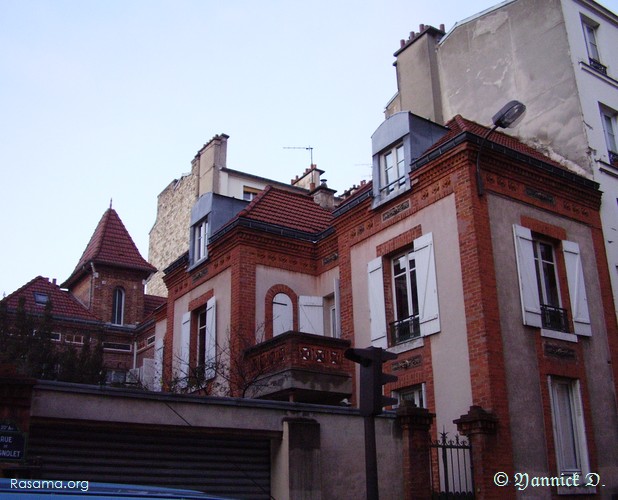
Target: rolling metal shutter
{"points": [[177, 457]]}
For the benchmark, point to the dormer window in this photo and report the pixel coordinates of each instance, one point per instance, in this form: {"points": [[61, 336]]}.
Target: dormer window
{"points": [[118, 307], [200, 240], [40, 298], [392, 170]]}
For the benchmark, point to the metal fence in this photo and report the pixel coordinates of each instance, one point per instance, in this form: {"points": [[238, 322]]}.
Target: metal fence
{"points": [[451, 473]]}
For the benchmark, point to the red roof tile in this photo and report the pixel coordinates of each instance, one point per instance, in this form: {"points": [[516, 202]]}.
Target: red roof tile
{"points": [[111, 244], [289, 210], [152, 302], [459, 124], [63, 303]]}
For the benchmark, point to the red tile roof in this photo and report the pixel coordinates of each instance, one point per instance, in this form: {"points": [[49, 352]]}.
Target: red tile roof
{"points": [[459, 124], [63, 303], [152, 302], [288, 210], [111, 244]]}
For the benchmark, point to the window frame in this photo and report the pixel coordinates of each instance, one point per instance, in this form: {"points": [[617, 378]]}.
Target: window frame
{"points": [[427, 291], [609, 123], [200, 240], [118, 306], [398, 167], [591, 29], [569, 424], [572, 268], [414, 390]]}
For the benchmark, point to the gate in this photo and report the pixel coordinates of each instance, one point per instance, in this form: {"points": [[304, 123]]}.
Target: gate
{"points": [[451, 468]]}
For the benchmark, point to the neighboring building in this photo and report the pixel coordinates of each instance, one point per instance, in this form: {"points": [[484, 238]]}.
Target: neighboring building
{"points": [[558, 57], [499, 306], [178, 207], [103, 299]]}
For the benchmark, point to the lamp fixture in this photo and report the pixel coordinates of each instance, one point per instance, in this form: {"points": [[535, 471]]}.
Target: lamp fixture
{"points": [[509, 115]]}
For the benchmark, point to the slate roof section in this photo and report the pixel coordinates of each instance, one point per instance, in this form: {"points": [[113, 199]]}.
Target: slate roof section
{"points": [[289, 210], [64, 305], [111, 244]]}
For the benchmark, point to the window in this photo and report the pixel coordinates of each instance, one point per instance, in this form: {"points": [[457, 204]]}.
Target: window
{"points": [[56, 337], [590, 35], [200, 240], [40, 298], [538, 273], [72, 338], [553, 316], [415, 394], [118, 307], [206, 339], [283, 315], [608, 118], [249, 193], [392, 170], [415, 295], [568, 425], [117, 346], [406, 324]]}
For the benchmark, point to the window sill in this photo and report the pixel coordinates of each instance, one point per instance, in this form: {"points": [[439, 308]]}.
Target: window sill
{"points": [[381, 200], [553, 334], [606, 78], [407, 346]]}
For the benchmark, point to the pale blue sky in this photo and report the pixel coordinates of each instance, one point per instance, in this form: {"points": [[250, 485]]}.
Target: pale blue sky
{"points": [[113, 98]]}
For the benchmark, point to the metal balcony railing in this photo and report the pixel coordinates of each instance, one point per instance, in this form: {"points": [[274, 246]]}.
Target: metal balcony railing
{"points": [[554, 318], [405, 329]]}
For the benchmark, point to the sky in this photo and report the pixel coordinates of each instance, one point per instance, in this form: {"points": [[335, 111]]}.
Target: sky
{"points": [[109, 100]]}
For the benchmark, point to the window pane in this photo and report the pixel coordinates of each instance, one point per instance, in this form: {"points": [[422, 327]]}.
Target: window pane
{"points": [[565, 427]]}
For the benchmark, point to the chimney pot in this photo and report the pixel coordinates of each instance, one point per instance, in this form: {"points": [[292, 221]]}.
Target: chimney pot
{"points": [[442, 27], [421, 28], [402, 43]]}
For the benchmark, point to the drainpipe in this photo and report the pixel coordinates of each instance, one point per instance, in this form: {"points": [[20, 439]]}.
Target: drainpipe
{"points": [[94, 272]]}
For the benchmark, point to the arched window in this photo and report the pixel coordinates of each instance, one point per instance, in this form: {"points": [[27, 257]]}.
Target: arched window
{"points": [[118, 307], [283, 314]]}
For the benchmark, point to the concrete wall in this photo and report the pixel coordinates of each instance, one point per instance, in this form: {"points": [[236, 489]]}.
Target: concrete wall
{"points": [[337, 465]]}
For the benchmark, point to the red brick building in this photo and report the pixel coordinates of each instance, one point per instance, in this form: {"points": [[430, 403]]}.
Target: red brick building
{"points": [[498, 305], [103, 300]]}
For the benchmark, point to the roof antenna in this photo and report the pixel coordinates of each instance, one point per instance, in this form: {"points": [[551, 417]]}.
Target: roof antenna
{"points": [[110, 203], [308, 148]]}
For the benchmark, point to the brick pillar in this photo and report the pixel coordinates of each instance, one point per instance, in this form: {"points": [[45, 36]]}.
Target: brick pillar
{"points": [[480, 427], [415, 424]]}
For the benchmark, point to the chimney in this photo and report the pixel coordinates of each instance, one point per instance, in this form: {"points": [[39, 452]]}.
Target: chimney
{"points": [[324, 196], [309, 179]]}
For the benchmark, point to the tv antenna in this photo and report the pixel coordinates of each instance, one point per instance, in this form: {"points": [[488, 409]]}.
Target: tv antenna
{"points": [[307, 148]]}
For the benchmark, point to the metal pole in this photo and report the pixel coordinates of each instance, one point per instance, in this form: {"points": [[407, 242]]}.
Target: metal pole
{"points": [[371, 461]]}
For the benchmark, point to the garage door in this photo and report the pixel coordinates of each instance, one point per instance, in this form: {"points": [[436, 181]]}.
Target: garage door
{"points": [[235, 466]]}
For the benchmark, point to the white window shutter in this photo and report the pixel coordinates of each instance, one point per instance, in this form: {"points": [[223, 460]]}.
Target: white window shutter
{"points": [[577, 288], [377, 308], [427, 287], [337, 332], [526, 272], [158, 358], [210, 349], [311, 314], [183, 353]]}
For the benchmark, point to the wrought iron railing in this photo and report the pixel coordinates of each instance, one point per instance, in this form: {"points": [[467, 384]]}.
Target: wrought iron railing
{"points": [[405, 329], [597, 66], [613, 158], [452, 470], [554, 318]]}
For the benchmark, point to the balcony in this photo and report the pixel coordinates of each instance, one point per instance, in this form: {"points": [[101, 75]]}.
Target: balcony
{"points": [[405, 329], [597, 66], [301, 367], [554, 318]]}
